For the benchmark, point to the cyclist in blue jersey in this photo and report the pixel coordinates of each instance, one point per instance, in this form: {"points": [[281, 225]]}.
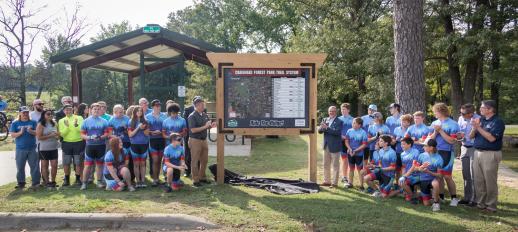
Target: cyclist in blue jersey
{"points": [[119, 123], [375, 130], [356, 143], [429, 164], [368, 120], [384, 172], [138, 132], [347, 120], [174, 123], [444, 130], [397, 135], [157, 142], [410, 177], [94, 131], [115, 171], [394, 120], [419, 131], [174, 162]]}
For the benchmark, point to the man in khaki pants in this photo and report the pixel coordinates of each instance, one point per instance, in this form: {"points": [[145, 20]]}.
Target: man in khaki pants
{"points": [[331, 127], [487, 132], [199, 123]]}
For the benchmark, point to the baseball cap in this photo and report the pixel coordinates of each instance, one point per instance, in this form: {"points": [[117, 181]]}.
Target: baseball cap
{"points": [[155, 102], [24, 109], [430, 142], [197, 99], [378, 115], [373, 107]]}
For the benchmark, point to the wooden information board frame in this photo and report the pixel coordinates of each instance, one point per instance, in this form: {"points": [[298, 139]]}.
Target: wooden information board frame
{"points": [[283, 60]]}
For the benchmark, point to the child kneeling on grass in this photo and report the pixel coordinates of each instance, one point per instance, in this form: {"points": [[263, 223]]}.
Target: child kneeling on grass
{"points": [[386, 170], [429, 164], [174, 162], [116, 173]]}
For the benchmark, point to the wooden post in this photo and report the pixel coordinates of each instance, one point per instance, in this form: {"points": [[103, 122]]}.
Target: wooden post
{"points": [[130, 89], [80, 85], [312, 157], [75, 83], [142, 75], [221, 158]]}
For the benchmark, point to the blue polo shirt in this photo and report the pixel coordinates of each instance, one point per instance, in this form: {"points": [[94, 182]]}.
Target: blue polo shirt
{"points": [[496, 127]]}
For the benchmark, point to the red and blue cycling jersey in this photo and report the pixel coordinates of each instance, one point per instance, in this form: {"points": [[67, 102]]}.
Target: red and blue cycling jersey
{"points": [[373, 131], [155, 123], [173, 155], [175, 124], [434, 165], [450, 127], [109, 160], [139, 137], [347, 123], [356, 138], [417, 132], [399, 133], [387, 158], [95, 127], [367, 121], [407, 160], [119, 127], [393, 122]]}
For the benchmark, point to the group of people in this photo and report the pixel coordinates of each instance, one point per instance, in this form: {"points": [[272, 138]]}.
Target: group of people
{"points": [[115, 147], [401, 155]]}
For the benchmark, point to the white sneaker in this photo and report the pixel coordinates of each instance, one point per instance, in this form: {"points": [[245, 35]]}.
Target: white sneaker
{"points": [[83, 186], [454, 202], [376, 194], [436, 207]]}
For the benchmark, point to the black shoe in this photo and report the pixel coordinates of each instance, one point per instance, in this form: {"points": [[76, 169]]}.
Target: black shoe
{"points": [[196, 185], [463, 202], [66, 182], [78, 182], [20, 186], [414, 201], [472, 204], [167, 189]]}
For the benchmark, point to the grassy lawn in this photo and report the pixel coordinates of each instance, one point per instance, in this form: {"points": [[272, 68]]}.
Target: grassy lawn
{"points": [[7, 145], [511, 130], [510, 158], [241, 208]]}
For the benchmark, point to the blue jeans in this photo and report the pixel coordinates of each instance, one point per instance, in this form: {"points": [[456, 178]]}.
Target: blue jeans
{"points": [[30, 156]]}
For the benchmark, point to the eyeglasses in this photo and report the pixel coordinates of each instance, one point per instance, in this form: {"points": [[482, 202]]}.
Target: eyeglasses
{"points": [[40, 104]]}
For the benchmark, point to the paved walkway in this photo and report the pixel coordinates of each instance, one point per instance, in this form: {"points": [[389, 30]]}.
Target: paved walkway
{"points": [[8, 167], [506, 176], [103, 222]]}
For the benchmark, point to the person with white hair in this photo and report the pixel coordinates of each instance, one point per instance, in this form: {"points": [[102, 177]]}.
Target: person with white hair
{"points": [[65, 100], [144, 104]]}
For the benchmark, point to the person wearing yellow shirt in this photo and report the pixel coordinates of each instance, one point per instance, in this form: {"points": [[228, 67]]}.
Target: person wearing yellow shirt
{"points": [[70, 130]]}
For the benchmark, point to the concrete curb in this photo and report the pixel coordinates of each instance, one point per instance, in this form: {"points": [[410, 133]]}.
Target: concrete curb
{"points": [[103, 221]]}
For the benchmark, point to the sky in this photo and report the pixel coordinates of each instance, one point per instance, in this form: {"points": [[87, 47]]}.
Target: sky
{"points": [[101, 12]]}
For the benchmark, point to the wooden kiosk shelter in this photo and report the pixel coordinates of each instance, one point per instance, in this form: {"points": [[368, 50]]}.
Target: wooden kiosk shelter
{"points": [[135, 53], [283, 87]]}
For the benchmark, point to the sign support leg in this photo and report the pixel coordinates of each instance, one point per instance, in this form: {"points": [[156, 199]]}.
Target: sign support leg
{"points": [[221, 158], [312, 157]]}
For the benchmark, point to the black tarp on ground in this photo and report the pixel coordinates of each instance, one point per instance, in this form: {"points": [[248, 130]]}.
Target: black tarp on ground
{"points": [[273, 185]]}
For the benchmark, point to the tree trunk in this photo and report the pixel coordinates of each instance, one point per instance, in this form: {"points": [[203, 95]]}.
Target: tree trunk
{"points": [[496, 26], [453, 66], [409, 55], [363, 89], [473, 62]]}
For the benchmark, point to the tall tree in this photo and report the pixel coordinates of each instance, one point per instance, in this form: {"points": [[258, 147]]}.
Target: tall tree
{"points": [[409, 55], [18, 35]]}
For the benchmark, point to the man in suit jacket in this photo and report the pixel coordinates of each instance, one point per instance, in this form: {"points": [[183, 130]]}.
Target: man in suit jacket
{"points": [[331, 127]]}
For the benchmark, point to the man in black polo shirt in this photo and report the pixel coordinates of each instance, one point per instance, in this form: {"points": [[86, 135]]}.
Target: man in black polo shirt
{"points": [[487, 132], [188, 111], [199, 123]]}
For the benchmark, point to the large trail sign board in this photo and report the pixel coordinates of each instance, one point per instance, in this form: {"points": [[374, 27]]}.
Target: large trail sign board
{"points": [[266, 97]]}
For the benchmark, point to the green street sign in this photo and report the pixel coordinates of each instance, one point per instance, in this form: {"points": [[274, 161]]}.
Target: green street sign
{"points": [[151, 29]]}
